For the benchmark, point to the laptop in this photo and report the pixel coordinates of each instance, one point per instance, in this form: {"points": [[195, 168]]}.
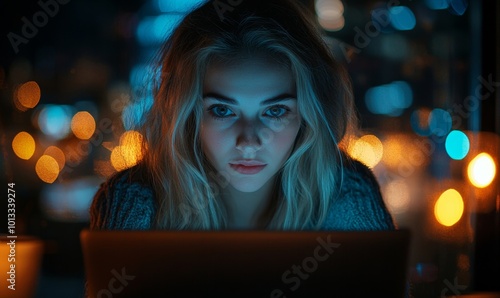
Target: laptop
{"points": [[245, 263]]}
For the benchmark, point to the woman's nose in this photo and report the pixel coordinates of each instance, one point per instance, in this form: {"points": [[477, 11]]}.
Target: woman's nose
{"points": [[248, 141]]}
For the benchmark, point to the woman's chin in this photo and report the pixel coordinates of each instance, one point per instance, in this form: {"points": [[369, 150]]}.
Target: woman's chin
{"points": [[246, 187]]}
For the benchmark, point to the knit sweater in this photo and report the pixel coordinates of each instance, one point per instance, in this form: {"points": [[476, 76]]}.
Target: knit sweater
{"points": [[125, 203]]}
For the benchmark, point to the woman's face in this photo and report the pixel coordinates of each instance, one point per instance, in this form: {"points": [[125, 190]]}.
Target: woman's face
{"points": [[250, 120]]}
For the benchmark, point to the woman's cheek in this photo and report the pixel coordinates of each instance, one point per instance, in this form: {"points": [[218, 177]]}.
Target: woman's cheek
{"points": [[284, 139]]}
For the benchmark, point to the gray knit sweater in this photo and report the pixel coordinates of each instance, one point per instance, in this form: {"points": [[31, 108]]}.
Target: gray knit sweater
{"points": [[125, 203]]}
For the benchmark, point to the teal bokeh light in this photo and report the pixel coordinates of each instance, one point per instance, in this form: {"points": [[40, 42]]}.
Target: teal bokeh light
{"points": [[389, 99], [55, 121], [457, 144], [402, 18]]}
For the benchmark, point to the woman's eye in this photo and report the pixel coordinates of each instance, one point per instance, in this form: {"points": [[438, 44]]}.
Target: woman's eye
{"points": [[219, 112], [277, 111]]}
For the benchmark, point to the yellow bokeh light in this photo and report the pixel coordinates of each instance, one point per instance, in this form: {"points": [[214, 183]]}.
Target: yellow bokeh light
{"points": [[83, 125], [129, 152], [57, 154], [393, 148], [131, 138], [47, 168], [481, 170], [449, 207], [28, 94], [23, 145], [368, 149]]}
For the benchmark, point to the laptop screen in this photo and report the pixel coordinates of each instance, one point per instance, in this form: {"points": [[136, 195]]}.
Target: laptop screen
{"points": [[245, 263]]}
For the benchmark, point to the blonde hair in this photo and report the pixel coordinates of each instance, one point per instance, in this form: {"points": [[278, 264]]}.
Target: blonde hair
{"points": [[186, 186]]}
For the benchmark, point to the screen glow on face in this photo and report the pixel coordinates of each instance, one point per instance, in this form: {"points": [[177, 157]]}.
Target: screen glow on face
{"points": [[249, 113]]}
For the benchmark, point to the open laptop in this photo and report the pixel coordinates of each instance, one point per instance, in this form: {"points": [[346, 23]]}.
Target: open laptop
{"points": [[245, 263]]}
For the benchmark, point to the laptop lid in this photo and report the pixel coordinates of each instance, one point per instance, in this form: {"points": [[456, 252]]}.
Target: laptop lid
{"points": [[245, 263]]}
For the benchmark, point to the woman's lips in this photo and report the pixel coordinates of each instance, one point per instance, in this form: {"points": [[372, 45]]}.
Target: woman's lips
{"points": [[247, 170], [247, 166]]}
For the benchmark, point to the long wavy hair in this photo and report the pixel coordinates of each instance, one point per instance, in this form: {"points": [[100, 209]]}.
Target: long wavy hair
{"points": [[186, 185]]}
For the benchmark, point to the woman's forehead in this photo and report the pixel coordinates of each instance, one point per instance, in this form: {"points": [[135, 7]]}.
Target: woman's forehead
{"points": [[249, 76]]}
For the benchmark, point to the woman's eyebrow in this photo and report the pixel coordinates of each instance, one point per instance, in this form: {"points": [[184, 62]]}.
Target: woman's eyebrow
{"points": [[220, 97]]}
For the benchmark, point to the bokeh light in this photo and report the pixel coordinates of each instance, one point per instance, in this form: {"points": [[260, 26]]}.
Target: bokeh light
{"points": [[47, 169], [440, 122], [129, 152], [402, 18], [368, 149], [330, 14], [449, 207], [397, 196], [457, 145], [481, 170], [55, 121], [83, 125], [390, 99], [23, 145], [57, 154], [393, 148], [28, 94]]}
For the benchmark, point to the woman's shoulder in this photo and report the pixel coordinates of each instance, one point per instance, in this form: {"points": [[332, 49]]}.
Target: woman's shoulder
{"points": [[124, 201], [357, 177], [359, 204]]}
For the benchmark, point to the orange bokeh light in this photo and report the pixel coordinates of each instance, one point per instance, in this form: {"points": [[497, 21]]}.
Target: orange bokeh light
{"points": [[83, 125], [368, 149], [129, 152], [28, 94], [23, 145], [47, 168]]}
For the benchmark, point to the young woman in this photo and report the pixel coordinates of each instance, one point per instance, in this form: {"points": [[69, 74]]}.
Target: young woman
{"points": [[245, 132]]}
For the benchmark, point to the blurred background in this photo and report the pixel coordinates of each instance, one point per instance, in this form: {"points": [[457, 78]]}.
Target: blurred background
{"points": [[425, 76]]}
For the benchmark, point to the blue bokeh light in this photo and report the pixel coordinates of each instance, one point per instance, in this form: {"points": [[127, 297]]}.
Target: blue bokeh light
{"points": [[440, 122], [402, 18], [390, 99], [55, 121], [457, 144]]}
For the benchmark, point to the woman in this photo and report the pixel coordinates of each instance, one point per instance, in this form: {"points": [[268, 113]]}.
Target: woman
{"points": [[245, 132]]}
